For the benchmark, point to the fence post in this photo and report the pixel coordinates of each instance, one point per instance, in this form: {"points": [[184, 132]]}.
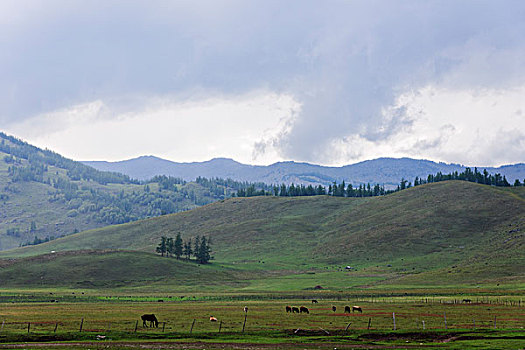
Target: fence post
{"points": [[244, 324], [423, 325], [163, 326], [56, 326], [347, 326], [81, 324], [494, 322], [394, 317], [445, 317], [369, 321], [29, 326], [1, 329], [136, 325], [193, 323]]}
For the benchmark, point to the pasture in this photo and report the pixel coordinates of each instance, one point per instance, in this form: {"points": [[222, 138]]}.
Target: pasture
{"points": [[489, 322]]}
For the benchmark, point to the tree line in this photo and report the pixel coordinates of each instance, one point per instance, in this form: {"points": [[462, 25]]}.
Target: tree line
{"points": [[484, 178], [199, 248], [368, 190]]}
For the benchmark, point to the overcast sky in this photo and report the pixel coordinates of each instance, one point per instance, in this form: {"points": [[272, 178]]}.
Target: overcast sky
{"points": [[327, 82]]}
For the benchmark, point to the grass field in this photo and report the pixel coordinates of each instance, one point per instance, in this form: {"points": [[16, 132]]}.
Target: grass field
{"points": [[488, 322]]}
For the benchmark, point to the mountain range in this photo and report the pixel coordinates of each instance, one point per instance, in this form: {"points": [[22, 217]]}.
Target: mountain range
{"points": [[387, 171]]}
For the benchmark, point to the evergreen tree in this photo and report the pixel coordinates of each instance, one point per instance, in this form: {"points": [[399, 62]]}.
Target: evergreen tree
{"points": [[161, 248], [177, 249], [188, 250], [350, 191], [170, 247], [204, 251]]}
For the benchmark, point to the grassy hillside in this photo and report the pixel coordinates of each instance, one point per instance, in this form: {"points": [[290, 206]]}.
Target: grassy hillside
{"points": [[112, 269], [452, 231], [45, 196]]}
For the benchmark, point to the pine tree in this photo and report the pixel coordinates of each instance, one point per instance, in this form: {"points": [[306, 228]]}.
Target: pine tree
{"points": [[161, 248], [188, 250], [170, 247], [177, 249], [203, 256]]}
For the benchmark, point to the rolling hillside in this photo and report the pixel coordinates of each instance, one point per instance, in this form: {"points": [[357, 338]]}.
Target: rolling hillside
{"points": [[387, 171], [454, 232], [44, 196]]}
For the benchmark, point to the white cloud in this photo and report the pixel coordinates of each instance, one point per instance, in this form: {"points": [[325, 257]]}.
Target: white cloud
{"points": [[180, 131], [483, 127]]}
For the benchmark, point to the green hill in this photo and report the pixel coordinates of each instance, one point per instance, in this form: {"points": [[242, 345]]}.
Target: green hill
{"points": [[44, 196], [451, 232]]}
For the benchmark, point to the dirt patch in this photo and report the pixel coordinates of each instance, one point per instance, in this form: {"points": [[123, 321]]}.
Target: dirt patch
{"points": [[200, 345]]}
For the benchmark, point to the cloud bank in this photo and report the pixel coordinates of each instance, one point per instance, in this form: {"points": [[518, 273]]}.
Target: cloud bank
{"points": [[332, 83]]}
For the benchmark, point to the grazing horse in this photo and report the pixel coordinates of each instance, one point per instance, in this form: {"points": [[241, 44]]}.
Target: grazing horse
{"points": [[288, 309], [357, 308], [213, 319], [334, 308], [304, 309], [347, 309], [295, 309], [151, 319], [468, 301], [245, 309], [314, 301]]}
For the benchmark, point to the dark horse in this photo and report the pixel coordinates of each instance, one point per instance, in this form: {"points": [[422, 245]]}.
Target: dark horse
{"points": [[304, 309], [152, 320], [357, 308]]}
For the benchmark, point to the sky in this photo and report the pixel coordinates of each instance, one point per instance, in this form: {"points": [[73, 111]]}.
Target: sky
{"points": [[326, 82]]}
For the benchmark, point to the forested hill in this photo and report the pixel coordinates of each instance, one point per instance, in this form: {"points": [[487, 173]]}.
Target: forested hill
{"points": [[44, 196], [384, 171]]}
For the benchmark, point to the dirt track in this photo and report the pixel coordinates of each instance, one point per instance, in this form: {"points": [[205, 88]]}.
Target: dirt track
{"points": [[201, 345]]}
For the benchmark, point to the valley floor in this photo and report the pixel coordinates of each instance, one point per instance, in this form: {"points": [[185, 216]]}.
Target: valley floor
{"points": [[86, 320]]}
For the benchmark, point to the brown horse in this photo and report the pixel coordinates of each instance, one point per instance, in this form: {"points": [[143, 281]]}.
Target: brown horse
{"points": [[294, 310], [347, 309], [314, 301], [288, 309], [153, 322], [334, 308], [357, 308], [304, 309]]}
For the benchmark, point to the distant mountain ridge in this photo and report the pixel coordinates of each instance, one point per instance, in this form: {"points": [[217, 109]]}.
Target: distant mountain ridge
{"points": [[387, 171]]}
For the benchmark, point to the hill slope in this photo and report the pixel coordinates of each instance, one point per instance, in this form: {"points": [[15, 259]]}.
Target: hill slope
{"points": [[388, 171], [426, 229], [45, 196]]}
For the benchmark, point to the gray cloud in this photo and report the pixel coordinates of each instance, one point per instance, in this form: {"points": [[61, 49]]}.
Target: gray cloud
{"points": [[344, 61]]}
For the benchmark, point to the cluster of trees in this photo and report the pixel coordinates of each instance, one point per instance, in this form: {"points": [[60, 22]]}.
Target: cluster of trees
{"points": [[335, 189], [37, 240], [200, 248], [484, 178]]}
